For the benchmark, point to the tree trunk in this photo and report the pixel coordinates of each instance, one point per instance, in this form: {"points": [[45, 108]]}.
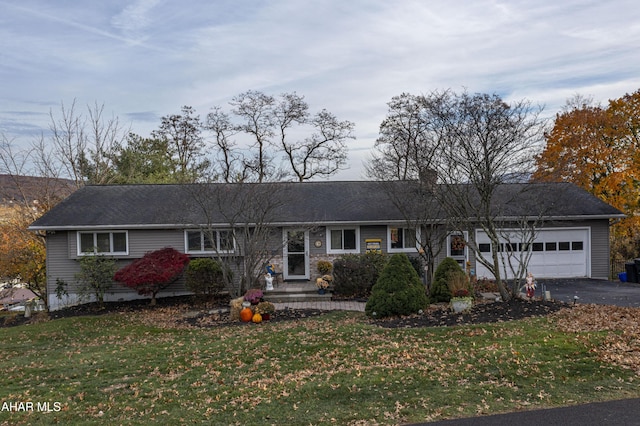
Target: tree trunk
{"points": [[504, 293]]}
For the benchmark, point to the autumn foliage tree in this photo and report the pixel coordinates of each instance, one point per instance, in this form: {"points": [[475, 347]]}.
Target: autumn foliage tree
{"points": [[153, 272], [22, 253], [597, 148]]}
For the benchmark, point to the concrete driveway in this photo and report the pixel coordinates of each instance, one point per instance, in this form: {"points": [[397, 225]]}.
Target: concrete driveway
{"points": [[591, 291]]}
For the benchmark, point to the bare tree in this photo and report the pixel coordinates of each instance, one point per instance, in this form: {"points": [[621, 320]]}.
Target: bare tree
{"points": [[77, 150], [488, 143], [517, 248], [476, 144], [105, 136], [84, 145], [256, 111], [410, 139], [228, 160], [239, 224], [277, 127], [324, 152], [69, 142], [420, 210]]}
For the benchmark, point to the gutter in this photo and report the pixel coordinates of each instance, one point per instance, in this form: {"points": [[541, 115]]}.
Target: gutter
{"points": [[213, 225]]}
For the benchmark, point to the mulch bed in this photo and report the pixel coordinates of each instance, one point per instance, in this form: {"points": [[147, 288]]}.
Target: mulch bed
{"points": [[185, 311], [440, 315]]}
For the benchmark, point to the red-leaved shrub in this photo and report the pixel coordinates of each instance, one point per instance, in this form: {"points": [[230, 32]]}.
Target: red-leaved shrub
{"points": [[153, 272]]}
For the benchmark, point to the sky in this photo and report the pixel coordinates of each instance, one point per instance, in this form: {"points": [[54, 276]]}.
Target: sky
{"points": [[144, 59]]}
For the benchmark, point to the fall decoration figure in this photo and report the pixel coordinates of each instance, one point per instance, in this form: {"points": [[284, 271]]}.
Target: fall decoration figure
{"points": [[530, 285]]}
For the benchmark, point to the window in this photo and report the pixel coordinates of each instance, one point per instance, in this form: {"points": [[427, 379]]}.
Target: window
{"points": [[511, 247], [108, 242], [484, 247], [457, 248], [219, 241], [226, 241], [564, 246], [538, 246], [402, 239], [343, 240], [550, 246], [577, 246]]}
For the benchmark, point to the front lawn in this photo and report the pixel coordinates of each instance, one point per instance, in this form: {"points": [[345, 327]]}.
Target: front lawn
{"points": [[336, 368]]}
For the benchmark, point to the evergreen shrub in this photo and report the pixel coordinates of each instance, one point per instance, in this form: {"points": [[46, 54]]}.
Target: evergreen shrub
{"points": [[398, 290], [440, 291], [204, 277]]}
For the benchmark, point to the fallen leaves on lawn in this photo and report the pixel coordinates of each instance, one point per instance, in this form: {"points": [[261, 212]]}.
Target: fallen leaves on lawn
{"points": [[621, 346]]}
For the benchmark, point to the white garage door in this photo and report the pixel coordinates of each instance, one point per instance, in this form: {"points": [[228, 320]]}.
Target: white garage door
{"points": [[555, 253]]}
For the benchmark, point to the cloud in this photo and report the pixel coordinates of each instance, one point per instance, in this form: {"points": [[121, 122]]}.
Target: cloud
{"points": [[146, 58], [134, 19]]}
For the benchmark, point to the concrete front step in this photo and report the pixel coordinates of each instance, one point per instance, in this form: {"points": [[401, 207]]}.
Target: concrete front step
{"points": [[296, 292], [297, 297]]}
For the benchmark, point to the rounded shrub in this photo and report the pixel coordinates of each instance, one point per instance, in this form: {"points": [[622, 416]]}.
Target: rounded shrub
{"points": [[398, 290], [355, 274], [446, 267], [440, 290], [204, 277], [324, 267]]}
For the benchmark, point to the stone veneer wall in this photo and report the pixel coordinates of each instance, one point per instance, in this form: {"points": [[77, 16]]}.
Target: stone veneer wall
{"points": [[277, 262]]}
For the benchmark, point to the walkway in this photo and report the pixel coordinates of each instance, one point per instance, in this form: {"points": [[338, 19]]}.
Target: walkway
{"points": [[567, 290], [346, 305]]}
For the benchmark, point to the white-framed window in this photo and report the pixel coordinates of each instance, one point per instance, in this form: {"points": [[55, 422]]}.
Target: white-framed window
{"points": [[457, 248], [402, 239], [343, 240], [218, 241], [103, 242]]}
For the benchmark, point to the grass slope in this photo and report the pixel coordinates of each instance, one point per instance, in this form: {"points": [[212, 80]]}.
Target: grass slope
{"points": [[332, 369]]}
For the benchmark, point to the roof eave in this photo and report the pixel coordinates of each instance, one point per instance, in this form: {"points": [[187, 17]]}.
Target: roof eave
{"points": [[293, 224], [215, 225]]}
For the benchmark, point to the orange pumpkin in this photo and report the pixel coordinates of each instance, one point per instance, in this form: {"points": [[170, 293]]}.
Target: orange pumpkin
{"points": [[257, 318], [246, 314]]}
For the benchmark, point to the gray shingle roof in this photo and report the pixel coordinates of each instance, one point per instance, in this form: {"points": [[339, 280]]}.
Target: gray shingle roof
{"points": [[158, 206]]}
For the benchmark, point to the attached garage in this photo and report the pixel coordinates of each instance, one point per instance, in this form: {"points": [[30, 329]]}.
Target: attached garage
{"points": [[555, 253], [572, 242]]}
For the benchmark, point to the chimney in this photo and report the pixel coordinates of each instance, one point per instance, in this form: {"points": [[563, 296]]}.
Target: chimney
{"points": [[428, 179]]}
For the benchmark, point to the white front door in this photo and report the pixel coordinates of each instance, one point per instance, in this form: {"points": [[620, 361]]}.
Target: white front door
{"points": [[296, 254]]}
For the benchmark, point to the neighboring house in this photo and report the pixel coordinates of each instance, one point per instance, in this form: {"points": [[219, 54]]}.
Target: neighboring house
{"points": [[308, 222], [13, 297]]}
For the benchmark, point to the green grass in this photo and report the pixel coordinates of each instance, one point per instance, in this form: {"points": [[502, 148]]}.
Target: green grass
{"points": [[334, 369]]}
